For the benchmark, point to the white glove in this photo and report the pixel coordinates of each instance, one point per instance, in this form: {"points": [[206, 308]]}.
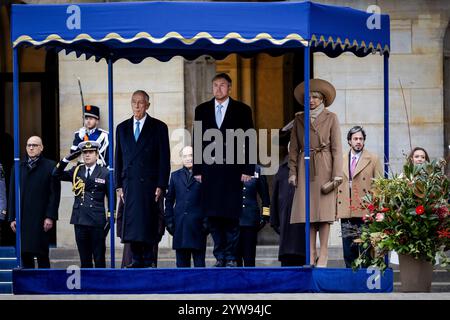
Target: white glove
{"points": [[82, 132], [293, 180]]}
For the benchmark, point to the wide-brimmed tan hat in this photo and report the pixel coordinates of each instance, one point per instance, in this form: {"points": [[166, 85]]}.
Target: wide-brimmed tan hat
{"points": [[322, 86]]}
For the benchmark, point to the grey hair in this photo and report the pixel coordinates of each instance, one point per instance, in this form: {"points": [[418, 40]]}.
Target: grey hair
{"points": [[181, 151], [145, 94]]}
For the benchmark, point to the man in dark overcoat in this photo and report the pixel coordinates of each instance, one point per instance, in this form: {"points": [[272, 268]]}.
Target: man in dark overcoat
{"points": [[40, 193], [90, 184], [142, 173], [184, 216], [292, 236], [219, 171]]}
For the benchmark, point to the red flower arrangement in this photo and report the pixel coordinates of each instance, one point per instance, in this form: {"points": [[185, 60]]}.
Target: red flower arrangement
{"points": [[408, 213]]}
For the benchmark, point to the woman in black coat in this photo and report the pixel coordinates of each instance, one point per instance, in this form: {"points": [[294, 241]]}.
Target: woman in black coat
{"points": [[292, 236]]}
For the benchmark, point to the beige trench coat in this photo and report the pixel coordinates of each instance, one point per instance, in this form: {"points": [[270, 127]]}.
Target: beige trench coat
{"points": [[367, 168], [325, 164]]}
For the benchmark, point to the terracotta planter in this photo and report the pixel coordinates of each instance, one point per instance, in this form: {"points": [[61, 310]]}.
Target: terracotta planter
{"points": [[415, 275]]}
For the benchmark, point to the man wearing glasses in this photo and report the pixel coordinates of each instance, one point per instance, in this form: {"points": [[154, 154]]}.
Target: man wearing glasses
{"points": [[39, 197]]}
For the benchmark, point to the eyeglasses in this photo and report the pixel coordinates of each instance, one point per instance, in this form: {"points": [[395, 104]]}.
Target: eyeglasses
{"points": [[33, 145]]}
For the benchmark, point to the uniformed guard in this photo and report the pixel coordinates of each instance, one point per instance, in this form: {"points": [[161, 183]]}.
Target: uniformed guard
{"points": [[90, 184], [91, 132], [252, 219]]}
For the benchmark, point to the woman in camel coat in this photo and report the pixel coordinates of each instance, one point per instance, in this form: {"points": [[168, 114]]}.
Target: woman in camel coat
{"points": [[325, 165]]}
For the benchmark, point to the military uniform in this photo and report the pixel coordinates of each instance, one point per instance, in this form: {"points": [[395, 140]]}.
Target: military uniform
{"points": [[96, 134], [88, 213], [252, 219]]}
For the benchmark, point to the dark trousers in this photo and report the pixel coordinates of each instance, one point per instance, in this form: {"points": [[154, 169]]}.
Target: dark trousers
{"points": [[142, 254], [184, 258], [292, 260], [28, 260], [351, 249], [127, 256], [246, 251], [91, 245], [225, 233]]}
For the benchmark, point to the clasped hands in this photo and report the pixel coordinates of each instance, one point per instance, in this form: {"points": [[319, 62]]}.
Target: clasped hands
{"points": [[119, 191], [293, 180], [244, 178]]}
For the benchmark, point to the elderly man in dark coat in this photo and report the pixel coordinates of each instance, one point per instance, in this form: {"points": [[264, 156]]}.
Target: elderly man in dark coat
{"points": [[217, 167], [39, 195], [185, 219], [142, 173]]}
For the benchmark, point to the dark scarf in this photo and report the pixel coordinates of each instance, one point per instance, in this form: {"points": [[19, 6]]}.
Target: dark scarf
{"points": [[32, 163], [188, 173]]}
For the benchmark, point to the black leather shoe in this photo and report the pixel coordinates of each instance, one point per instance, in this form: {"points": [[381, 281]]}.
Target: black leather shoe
{"points": [[220, 263], [151, 265], [134, 265], [231, 263]]}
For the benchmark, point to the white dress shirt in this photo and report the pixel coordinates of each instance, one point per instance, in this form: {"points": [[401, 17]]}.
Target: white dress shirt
{"points": [[90, 168]]}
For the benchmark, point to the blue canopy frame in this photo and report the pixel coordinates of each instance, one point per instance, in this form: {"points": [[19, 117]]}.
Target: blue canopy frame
{"points": [[162, 30]]}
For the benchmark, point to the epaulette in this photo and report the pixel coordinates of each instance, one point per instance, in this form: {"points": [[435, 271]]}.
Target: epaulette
{"points": [[103, 130]]}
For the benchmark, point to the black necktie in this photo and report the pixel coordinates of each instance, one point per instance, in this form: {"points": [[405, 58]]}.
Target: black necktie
{"points": [[88, 173]]}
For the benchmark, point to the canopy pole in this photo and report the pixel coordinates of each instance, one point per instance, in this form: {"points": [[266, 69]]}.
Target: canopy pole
{"points": [[386, 125], [386, 115], [17, 154], [306, 153], [111, 161]]}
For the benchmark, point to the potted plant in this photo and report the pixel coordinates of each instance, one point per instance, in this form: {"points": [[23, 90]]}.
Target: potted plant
{"points": [[408, 213]]}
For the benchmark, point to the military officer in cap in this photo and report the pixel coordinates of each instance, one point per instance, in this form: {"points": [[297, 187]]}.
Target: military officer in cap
{"points": [[90, 184], [91, 132]]}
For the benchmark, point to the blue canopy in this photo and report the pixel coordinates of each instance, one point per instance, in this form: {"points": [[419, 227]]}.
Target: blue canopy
{"points": [[136, 30]]}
